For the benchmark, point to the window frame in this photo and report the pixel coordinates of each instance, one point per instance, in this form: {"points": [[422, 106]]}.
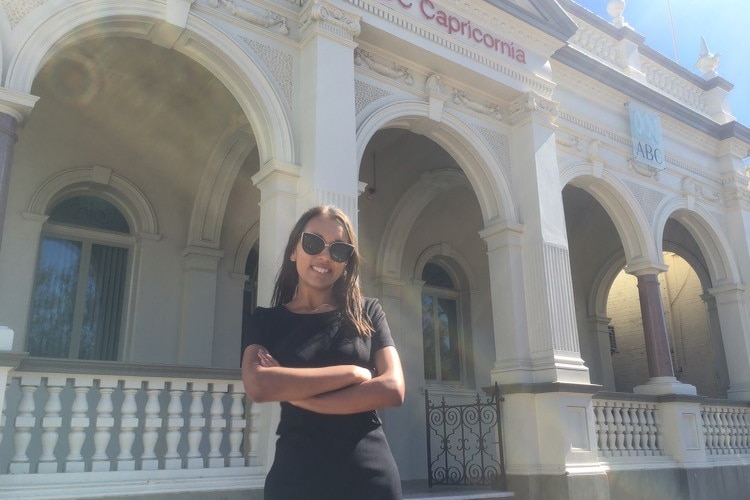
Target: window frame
{"points": [[455, 294], [89, 237]]}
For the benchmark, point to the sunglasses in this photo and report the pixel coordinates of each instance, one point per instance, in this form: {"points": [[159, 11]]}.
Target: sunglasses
{"points": [[339, 251]]}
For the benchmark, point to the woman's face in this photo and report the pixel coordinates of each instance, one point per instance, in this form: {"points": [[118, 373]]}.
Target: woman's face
{"points": [[320, 272]]}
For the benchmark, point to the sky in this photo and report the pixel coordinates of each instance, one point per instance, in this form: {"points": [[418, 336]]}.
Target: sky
{"points": [[723, 23]]}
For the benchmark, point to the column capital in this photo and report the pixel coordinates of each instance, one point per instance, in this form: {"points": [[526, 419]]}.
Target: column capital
{"points": [[533, 105], [320, 17], [284, 176], [16, 104], [501, 233], [644, 267]]}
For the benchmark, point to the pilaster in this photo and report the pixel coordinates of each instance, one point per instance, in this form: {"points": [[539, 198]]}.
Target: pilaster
{"points": [[327, 108], [731, 305], [601, 351], [550, 310], [198, 305]]}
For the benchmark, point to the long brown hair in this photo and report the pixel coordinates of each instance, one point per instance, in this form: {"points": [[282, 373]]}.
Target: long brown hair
{"points": [[346, 291]]}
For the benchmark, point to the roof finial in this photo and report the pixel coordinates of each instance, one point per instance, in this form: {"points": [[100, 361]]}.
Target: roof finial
{"points": [[615, 8], [707, 62]]}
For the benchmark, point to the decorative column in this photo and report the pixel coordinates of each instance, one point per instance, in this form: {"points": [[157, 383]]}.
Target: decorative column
{"points": [[278, 183], [328, 146], [512, 349], [14, 108], [543, 380], [548, 290], [658, 355]]}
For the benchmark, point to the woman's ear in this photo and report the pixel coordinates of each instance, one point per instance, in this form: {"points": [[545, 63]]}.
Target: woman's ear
{"points": [[293, 257]]}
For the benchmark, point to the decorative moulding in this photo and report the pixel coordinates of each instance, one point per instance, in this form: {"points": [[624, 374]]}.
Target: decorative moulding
{"points": [[263, 18], [380, 66]]}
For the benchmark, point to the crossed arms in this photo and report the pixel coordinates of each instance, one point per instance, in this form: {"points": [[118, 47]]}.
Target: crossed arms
{"points": [[338, 389]]}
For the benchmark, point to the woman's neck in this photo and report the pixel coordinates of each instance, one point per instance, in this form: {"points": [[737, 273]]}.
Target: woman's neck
{"points": [[312, 303]]}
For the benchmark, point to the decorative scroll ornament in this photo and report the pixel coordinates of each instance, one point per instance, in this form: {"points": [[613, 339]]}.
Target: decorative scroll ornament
{"points": [[692, 188], [493, 110], [572, 141], [331, 17], [259, 17], [391, 70], [643, 169]]}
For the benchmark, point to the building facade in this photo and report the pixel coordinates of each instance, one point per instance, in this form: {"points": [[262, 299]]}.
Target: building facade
{"points": [[543, 202]]}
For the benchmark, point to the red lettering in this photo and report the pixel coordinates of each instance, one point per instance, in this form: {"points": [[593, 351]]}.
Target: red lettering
{"points": [[440, 19], [463, 27], [454, 25], [427, 3]]}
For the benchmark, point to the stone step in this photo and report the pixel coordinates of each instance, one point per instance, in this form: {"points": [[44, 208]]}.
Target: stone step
{"points": [[456, 493]]}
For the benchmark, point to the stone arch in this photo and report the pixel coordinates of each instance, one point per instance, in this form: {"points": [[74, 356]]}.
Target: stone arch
{"points": [[622, 208], [711, 240], [101, 181], [216, 184], [201, 41], [409, 207], [490, 186]]}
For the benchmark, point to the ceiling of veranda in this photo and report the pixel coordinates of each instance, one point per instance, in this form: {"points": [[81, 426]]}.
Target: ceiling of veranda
{"points": [[127, 100]]}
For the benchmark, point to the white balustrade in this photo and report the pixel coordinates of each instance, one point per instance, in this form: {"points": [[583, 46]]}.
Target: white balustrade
{"points": [[180, 423], [626, 428], [727, 429]]}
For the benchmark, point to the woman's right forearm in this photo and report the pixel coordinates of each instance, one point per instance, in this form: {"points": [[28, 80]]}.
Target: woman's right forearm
{"points": [[278, 383]]}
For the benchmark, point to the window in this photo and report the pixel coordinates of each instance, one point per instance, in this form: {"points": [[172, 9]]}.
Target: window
{"points": [[79, 285], [440, 326]]}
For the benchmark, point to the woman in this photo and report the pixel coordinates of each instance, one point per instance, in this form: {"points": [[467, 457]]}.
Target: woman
{"points": [[327, 355]]}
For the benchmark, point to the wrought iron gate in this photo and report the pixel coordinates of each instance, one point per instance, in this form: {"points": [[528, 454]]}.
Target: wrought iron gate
{"points": [[464, 442]]}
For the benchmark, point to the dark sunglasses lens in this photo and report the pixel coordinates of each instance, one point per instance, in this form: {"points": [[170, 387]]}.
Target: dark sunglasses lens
{"points": [[312, 244], [340, 252]]}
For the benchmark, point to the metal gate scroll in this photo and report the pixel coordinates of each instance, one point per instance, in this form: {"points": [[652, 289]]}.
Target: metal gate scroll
{"points": [[464, 442]]}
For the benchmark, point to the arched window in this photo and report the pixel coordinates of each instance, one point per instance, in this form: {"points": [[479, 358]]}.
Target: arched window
{"points": [[79, 286], [441, 326]]}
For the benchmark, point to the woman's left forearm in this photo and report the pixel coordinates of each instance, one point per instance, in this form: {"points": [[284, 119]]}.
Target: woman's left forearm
{"points": [[380, 392]]}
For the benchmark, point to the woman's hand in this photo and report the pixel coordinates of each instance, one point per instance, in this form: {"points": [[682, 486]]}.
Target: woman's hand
{"points": [[265, 359]]}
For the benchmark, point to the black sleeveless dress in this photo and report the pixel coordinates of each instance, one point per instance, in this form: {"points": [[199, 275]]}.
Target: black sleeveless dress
{"points": [[325, 457]]}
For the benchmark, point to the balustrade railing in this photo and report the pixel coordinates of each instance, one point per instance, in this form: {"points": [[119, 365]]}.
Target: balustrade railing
{"points": [[630, 426], [62, 417], [627, 428], [727, 429]]}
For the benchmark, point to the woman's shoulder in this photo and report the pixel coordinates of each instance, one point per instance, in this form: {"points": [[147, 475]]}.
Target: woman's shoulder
{"points": [[370, 303]]}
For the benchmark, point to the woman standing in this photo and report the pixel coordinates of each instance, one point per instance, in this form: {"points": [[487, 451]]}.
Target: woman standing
{"points": [[327, 355]]}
